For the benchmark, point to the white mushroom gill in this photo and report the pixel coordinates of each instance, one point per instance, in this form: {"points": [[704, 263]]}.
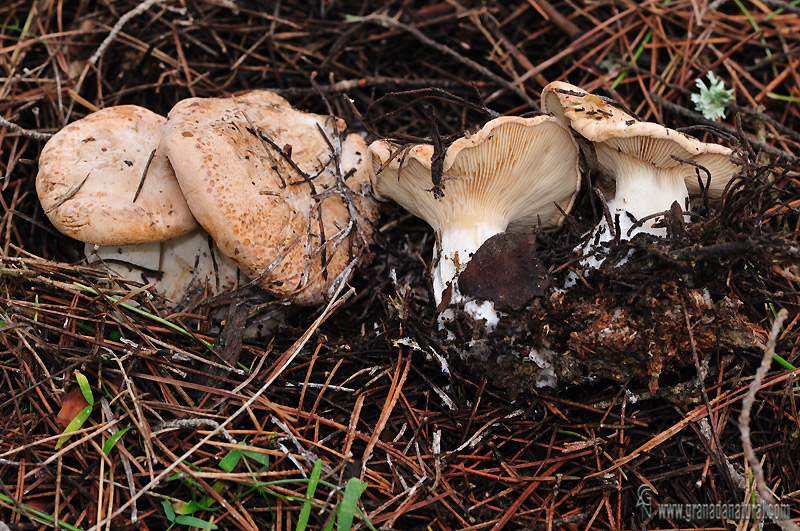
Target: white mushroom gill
{"points": [[514, 174]]}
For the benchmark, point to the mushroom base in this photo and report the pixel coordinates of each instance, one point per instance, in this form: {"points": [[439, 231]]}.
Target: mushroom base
{"points": [[177, 267], [452, 252], [630, 323], [561, 342]]}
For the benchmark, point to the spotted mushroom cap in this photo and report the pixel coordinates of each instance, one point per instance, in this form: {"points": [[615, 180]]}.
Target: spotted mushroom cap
{"points": [[89, 173], [261, 178], [616, 134]]}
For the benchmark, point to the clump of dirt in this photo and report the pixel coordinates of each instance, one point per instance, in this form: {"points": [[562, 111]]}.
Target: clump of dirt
{"points": [[654, 305]]}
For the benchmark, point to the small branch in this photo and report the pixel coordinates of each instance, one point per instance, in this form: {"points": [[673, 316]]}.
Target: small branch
{"points": [[350, 84], [144, 175], [558, 19], [195, 424], [138, 10], [24, 132], [606, 213], [763, 491]]}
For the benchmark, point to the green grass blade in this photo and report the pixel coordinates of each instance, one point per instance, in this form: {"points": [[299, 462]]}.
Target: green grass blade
{"points": [[313, 481], [755, 27], [112, 441], [231, 459], [331, 519], [782, 361], [74, 425], [23, 32], [169, 511], [636, 54], [37, 515], [782, 97], [193, 521], [143, 313], [258, 457], [86, 389], [747, 15], [779, 11], [347, 509]]}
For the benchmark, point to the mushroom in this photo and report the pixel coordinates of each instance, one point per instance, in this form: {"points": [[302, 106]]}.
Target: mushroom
{"points": [[102, 181], [283, 193], [653, 166], [514, 174], [90, 174], [177, 266]]}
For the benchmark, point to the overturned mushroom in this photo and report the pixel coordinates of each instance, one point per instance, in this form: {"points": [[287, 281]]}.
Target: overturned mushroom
{"points": [[513, 174], [283, 193], [102, 181], [653, 166]]}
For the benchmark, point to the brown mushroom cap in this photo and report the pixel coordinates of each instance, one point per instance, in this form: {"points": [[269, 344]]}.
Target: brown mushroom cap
{"points": [[293, 234], [618, 136], [89, 173]]}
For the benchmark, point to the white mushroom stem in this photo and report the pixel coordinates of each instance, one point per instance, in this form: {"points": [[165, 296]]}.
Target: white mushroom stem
{"points": [[454, 249], [643, 190], [184, 262]]}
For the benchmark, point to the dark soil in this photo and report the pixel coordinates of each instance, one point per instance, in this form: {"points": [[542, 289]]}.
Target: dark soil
{"points": [[653, 358]]}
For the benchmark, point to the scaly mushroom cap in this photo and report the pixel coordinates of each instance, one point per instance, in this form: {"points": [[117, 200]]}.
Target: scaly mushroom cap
{"points": [[89, 173], [619, 139], [571, 103], [510, 175], [293, 234]]}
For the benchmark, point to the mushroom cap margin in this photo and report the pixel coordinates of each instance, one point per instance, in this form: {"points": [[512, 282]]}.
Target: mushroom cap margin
{"points": [[615, 131], [489, 170]]}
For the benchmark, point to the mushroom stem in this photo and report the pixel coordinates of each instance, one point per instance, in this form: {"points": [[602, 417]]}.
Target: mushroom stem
{"points": [[643, 190], [453, 250]]}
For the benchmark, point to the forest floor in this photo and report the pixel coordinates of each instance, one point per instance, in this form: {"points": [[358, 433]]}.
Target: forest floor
{"points": [[348, 414]]}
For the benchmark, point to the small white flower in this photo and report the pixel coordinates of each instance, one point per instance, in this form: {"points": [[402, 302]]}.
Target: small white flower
{"points": [[713, 98]]}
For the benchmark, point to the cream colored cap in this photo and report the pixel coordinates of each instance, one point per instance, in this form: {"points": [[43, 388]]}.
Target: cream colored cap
{"points": [[89, 173], [617, 134], [294, 235], [514, 169]]}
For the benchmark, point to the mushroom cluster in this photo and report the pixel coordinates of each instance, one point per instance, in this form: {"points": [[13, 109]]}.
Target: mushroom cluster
{"points": [[103, 181], [227, 188], [223, 184], [519, 173]]}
